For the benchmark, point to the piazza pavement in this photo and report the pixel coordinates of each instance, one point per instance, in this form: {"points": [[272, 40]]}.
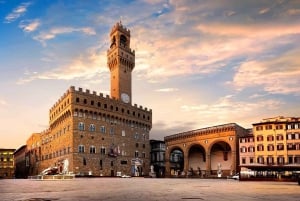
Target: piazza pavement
{"points": [[147, 189]]}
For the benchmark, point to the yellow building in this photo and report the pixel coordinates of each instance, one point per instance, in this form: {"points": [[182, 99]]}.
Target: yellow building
{"points": [[93, 134], [277, 147], [277, 141], [7, 163]]}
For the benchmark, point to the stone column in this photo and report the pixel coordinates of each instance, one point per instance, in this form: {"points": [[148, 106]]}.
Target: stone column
{"points": [[208, 165], [186, 162], [233, 162], [167, 164]]}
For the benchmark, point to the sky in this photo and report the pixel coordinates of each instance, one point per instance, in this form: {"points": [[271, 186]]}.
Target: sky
{"points": [[199, 63]]}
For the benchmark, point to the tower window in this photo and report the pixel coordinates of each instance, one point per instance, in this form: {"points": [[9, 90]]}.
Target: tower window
{"points": [[123, 40]]}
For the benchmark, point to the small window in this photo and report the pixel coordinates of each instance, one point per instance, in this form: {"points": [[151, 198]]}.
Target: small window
{"points": [[81, 126], [102, 129], [243, 149], [80, 149], [92, 149], [123, 162], [112, 130], [102, 151], [77, 100], [92, 128]]}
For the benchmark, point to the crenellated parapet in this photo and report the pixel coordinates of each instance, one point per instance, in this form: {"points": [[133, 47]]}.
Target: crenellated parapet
{"points": [[87, 100]]}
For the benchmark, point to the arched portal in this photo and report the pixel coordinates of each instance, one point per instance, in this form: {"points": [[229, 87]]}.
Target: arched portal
{"points": [[197, 159], [221, 158], [176, 161]]}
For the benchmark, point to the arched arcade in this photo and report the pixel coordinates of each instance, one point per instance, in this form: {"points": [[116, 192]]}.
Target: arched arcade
{"points": [[205, 152]]}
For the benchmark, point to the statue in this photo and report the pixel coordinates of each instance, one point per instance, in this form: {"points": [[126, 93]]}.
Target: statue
{"points": [[219, 172], [66, 166]]}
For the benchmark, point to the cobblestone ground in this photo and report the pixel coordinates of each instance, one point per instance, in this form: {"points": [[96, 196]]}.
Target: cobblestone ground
{"points": [[138, 189]]}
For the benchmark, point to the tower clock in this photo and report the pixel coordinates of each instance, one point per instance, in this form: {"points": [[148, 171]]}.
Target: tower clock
{"points": [[121, 62]]}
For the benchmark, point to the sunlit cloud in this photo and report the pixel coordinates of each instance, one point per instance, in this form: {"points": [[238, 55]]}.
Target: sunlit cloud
{"points": [[2, 102], [261, 30], [17, 12], [277, 76], [84, 67], [43, 36], [166, 90], [230, 110], [30, 25], [264, 10], [293, 11]]}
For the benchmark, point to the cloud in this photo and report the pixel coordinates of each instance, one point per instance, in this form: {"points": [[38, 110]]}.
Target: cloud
{"points": [[166, 90], [29, 25], [17, 12], [53, 32], [293, 11], [226, 109], [2, 102], [264, 10], [85, 66], [278, 75], [205, 39]]}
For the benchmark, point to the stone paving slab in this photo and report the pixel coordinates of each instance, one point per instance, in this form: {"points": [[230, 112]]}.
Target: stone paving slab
{"points": [[148, 189]]}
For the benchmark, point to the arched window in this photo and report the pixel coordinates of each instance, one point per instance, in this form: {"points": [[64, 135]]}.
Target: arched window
{"points": [[92, 127], [102, 129], [81, 149], [81, 126], [136, 154], [92, 149], [102, 150]]}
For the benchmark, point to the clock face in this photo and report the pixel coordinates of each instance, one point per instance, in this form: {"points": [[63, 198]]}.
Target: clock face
{"points": [[125, 98]]}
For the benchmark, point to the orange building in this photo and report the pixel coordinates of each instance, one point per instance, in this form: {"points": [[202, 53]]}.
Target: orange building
{"points": [[211, 151]]}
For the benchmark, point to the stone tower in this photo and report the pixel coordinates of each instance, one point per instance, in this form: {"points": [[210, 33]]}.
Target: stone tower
{"points": [[121, 61]]}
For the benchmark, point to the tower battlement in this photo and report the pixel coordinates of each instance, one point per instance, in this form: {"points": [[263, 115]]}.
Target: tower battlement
{"points": [[88, 92], [119, 27]]}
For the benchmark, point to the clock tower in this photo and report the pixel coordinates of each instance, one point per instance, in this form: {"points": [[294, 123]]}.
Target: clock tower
{"points": [[121, 61]]}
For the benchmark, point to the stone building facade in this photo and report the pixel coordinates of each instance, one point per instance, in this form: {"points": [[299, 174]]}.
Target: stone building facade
{"points": [[211, 151], [21, 171], [94, 134], [7, 163]]}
